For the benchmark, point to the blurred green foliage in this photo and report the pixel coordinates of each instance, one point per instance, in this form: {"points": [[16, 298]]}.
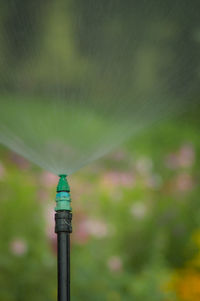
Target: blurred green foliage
{"points": [[85, 41]]}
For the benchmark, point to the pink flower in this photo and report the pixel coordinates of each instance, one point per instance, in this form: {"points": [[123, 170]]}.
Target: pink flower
{"points": [[48, 179], [86, 228], [18, 247], [185, 157], [115, 264], [96, 228], [114, 179], [184, 182]]}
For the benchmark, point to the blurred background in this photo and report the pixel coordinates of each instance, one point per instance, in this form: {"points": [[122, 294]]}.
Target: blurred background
{"points": [[136, 212]]}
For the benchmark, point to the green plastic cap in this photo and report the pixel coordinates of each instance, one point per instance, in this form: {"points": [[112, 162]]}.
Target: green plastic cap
{"points": [[63, 184]]}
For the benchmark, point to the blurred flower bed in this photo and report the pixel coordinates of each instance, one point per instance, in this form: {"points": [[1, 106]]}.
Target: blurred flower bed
{"points": [[136, 216]]}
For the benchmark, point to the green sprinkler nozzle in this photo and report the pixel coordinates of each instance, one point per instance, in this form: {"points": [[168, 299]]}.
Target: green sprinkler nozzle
{"points": [[63, 184], [63, 199]]}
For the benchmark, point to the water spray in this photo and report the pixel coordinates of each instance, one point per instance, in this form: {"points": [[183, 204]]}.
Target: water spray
{"points": [[63, 229], [142, 68]]}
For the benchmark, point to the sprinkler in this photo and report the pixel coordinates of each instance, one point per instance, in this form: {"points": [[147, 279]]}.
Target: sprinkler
{"points": [[63, 229]]}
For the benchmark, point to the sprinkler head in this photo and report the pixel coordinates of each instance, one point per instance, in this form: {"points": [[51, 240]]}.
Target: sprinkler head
{"points": [[63, 199], [63, 184]]}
